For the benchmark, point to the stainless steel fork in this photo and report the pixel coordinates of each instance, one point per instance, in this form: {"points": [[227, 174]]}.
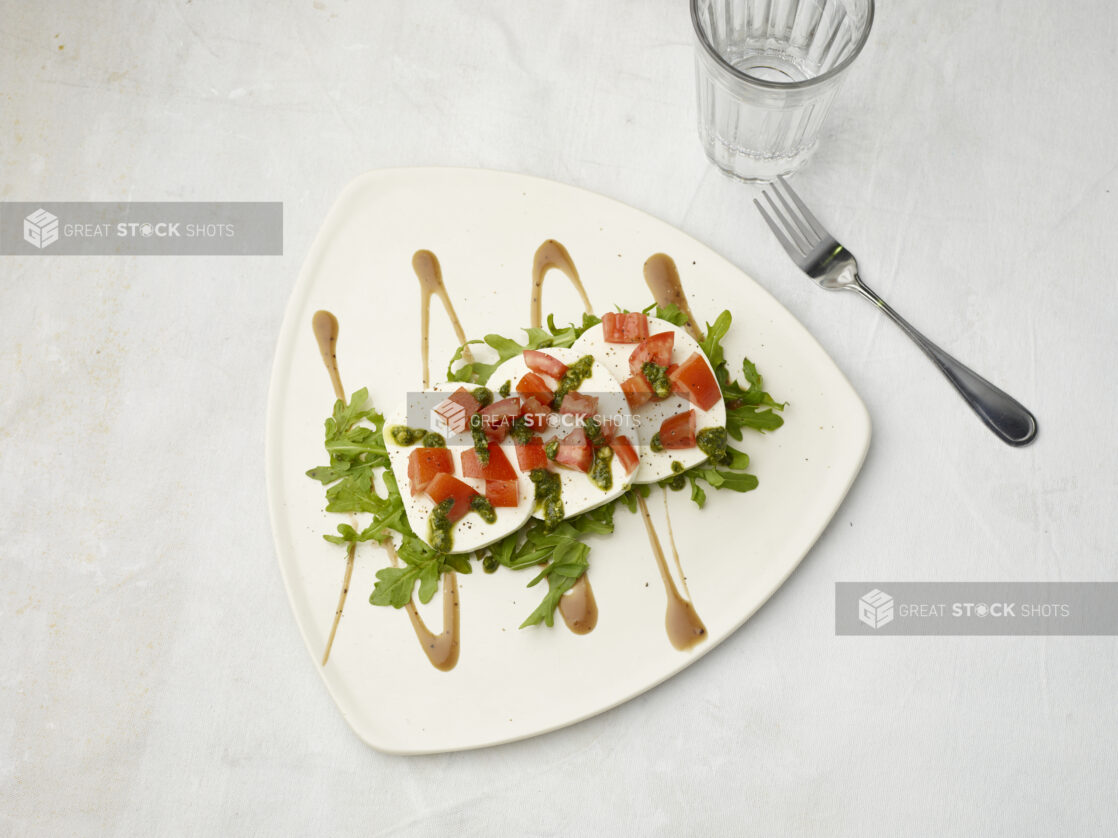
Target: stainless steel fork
{"points": [[833, 267]]}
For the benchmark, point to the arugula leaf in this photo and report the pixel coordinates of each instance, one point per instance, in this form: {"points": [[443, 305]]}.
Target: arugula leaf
{"points": [[348, 534], [670, 312], [598, 520], [355, 495], [421, 564], [545, 611], [738, 460], [394, 586], [561, 573], [697, 493], [428, 581], [716, 478], [356, 452], [712, 345], [748, 416], [738, 481], [354, 449], [476, 371]]}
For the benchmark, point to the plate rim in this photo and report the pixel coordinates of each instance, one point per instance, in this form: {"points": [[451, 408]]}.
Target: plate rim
{"points": [[284, 352]]}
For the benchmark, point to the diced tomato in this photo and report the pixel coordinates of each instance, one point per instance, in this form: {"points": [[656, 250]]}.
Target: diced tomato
{"points": [[532, 386], [657, 349], [637, 391], [495, 418], [695, 380], [544, 364], [608, 425], [625, 453], [501, 412], [499, 467], [531, 455], [535, 413], [578, 404], [444, 486], [678, 431], [462, 396], [425, 463], [630, 327], [575, 450], [502, 492], [496, 433]]}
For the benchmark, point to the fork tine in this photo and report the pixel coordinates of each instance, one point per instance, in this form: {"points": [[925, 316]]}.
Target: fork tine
{"points": [[801, 227], [792, 225], [792, 250], [812, 221]]}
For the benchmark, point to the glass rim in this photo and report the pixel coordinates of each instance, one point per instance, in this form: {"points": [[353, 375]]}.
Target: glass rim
{"points": [[704, 41]]}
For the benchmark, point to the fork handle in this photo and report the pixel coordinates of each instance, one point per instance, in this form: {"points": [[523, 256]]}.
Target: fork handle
{"points": [[1002, 413]]}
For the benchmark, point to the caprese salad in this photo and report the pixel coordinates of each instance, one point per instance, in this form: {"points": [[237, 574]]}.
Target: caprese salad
{"points": [[556, 432]]}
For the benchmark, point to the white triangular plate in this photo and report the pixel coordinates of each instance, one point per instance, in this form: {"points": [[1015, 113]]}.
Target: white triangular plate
{"points": [[485, 227]]}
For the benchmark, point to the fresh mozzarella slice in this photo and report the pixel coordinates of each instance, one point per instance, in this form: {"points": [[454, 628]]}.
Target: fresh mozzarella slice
{"points": [[471, 532], [578, 492], [649, 416]]}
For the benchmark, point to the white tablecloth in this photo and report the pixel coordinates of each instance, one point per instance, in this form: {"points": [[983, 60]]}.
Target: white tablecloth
{"points": [[152, 679]]}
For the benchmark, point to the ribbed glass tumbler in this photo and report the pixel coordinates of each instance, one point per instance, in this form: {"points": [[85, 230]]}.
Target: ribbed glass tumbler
{"points": [[766, 73]]}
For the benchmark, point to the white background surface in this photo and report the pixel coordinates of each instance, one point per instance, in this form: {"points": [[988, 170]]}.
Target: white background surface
{"points": [[152, 679]]}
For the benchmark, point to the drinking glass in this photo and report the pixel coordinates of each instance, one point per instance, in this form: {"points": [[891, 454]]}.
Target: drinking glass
{"points": [[766, 72]]}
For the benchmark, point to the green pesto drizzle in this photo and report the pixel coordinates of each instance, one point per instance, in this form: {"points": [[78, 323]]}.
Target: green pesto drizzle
{"points": [[520, 432], [675, 482], [572, 379], [481, 505], [593, 431], [481, 442], [657, 379], [712, 442], [601, 474], [439, 527], [403, 435], [548, 496]]}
